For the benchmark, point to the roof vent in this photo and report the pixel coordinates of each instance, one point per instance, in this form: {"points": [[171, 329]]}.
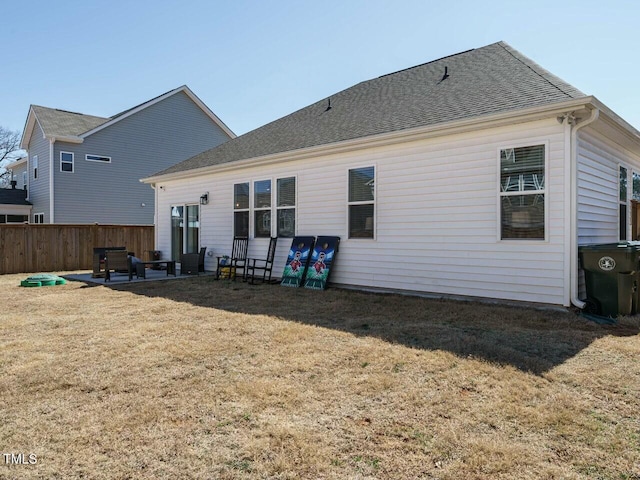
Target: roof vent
{"points": [[328, 105], [446, 75]]}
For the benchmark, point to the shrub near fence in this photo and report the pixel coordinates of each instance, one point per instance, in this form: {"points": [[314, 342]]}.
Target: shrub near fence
{"points": [[28, 248]]}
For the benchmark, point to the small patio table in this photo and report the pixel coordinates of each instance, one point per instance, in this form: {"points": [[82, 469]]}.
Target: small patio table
{"points": [[141, 267]]}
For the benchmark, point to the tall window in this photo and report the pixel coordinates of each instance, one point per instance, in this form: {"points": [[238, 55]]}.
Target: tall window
{"points": [[624, 201], [522, 193], [66, 162], [262, 208], [361, 202], [34, 162], [241, 209], [185, 230], [286, 206]]}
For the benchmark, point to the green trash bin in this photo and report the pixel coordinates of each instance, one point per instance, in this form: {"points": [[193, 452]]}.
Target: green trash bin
{"points": [[611, 273]]}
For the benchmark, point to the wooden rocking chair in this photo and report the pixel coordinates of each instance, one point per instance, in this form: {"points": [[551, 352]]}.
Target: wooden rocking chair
{"points": [[229, 266], [265, 265]]}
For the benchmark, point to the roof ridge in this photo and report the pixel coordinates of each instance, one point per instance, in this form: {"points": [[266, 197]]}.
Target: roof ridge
{"points": [[427, 63], [534, 67]]}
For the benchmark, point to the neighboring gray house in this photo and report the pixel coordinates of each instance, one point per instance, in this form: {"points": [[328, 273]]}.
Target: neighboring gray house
{"points": [[86, 169], [477, 174]]}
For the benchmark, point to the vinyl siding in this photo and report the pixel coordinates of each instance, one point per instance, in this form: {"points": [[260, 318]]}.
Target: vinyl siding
{"points": [[436, 216], [151, 140], [38, 193], [599, 160]]}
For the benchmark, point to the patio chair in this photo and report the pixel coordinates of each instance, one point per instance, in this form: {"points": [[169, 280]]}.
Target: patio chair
{"points": [[189, 264], [117, 261], [203, 251], [98, 260], [229, 266], [265, 265]]}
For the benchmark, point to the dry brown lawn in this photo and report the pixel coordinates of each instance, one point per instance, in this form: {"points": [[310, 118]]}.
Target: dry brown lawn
{"points": [[192, 378]]}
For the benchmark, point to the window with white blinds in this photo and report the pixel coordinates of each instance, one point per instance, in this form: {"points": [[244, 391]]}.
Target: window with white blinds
{"points": [[361, 202]]}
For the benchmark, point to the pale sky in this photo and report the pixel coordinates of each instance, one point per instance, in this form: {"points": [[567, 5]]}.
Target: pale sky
{"points": [[252, 62]]}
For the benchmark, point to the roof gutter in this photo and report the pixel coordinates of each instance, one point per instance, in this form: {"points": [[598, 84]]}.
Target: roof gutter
{"points": [[573, 249], [418, 133]]}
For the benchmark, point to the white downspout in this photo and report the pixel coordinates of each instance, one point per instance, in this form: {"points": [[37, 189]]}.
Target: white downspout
{"points": [[52, 165], [574, 207]]}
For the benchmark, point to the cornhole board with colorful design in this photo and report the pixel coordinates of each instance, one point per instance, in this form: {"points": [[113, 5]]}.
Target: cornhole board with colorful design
{"points": [[323, 256], [297, 261]]}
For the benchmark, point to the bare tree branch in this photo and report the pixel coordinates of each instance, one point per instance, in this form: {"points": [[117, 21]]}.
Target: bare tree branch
{"points": [[9, 151]]}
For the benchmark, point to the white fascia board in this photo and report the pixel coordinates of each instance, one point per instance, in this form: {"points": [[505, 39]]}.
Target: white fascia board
{"points": [[66, 139], [208, 111], [17, 163], [618, 121], [28, 129], [139, 108], [384, 139]]}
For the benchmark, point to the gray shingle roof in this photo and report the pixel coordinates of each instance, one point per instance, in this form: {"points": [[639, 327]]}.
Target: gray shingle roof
{"points": [[61, 123], [13, 196], [487, 80]]}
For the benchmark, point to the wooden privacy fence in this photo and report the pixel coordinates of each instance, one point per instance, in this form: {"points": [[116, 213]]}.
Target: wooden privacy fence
{"points": [[28, 248]]}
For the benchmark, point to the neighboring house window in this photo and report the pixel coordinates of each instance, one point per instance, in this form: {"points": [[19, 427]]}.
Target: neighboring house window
{"points": [[241, 209], [38, 218], [66, 162], [286, 206], [34, 162], [361, 202], [98, 158], [14, 218], [624, 201], [24, 180], [262, 208], [522, 193]]}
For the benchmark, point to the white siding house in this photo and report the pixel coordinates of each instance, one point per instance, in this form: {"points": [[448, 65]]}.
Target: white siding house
{"points": [[486, 197]]}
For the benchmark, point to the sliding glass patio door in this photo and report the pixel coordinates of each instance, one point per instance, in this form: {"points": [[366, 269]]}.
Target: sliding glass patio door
{"points": [[185, 230]]}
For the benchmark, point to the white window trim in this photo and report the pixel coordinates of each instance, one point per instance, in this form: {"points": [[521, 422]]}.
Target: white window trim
{"points": [[35, 215], [375, 203], [86, 157], [235, 210], [528, 143], [72, 162], [34, 163], [254, 209], [276, 208]]}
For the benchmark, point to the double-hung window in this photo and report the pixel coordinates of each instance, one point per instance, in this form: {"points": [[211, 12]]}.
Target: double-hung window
{"points": [[262, 208], [522, 193], [34, 163], [361, 203], [286, 206], [241, 209], [66, 162]]}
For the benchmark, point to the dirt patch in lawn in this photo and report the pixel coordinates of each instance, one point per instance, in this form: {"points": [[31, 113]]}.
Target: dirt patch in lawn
{"points": [[194, 378]]}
